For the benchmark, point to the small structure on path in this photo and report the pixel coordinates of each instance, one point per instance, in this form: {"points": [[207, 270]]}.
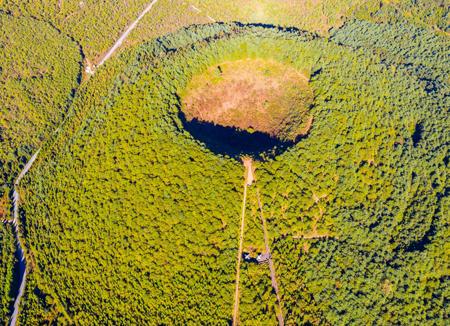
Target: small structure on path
{"points": [[263, 258]]}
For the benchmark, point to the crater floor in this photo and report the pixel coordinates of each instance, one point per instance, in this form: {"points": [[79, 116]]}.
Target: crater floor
{"points": [[251, 95]]}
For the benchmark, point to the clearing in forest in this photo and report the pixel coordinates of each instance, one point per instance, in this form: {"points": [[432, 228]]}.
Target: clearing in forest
{"points": [[252, 95]]}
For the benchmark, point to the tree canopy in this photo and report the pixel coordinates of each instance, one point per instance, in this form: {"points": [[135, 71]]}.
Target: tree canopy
{"points": [[128, 217]]}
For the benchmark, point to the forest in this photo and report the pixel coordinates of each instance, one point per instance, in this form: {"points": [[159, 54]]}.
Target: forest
{"points": [[96, 24], [7, 262], [129, 194], [40, 69], [128, 216]]}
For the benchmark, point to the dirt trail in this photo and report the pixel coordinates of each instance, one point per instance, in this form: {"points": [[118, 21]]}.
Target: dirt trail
{"points": [[248, 181], [199, 11], [16, 196], [250, 178], [271, 264], [20, 247], [126, 33]]}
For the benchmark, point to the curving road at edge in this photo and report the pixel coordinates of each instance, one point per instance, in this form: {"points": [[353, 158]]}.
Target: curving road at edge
{"points": [[16, 196]]}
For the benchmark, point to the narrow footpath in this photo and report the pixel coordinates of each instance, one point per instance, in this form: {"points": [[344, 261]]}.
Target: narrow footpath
{"points": [[20, 247], [126, 33], [248, 181]]}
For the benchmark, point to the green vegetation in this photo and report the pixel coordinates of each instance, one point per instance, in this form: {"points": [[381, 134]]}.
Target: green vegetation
{"points": [[323, 15], [94, 24], [257, 304], [312, 15], [7, 260], [39, 71], [128, 217], [401, 44], [170, 246], [432, 14], [166, 17], [380, 196]]}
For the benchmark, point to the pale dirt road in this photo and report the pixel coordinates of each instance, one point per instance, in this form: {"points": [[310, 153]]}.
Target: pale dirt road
{"points": [[250, 178], [20, 248], [126, 33]]}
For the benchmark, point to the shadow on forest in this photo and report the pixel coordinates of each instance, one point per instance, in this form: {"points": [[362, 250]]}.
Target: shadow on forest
{"points": [[234, 142]]}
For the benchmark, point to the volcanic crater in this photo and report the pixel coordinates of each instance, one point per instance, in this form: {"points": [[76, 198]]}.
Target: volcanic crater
{"points": [[248, 106]]}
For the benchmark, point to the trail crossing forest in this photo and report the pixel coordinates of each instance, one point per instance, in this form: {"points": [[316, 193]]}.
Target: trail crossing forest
{"points": [[16, 195], [126, 33], [250, 178], [241, 242], [20, 246], [271, 264]]}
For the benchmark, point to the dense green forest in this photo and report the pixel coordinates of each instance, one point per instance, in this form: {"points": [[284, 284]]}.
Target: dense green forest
{"points": [[39, 71], [154, 170], [7, 260], [381, 196], [431, 14], [128, 217], [95, 25]]}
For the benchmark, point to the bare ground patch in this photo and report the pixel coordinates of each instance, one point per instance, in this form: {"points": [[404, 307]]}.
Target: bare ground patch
{"points": [[252, 95]]}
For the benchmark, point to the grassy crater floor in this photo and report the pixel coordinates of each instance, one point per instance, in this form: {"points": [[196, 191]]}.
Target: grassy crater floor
{"points": [[253, 95]]}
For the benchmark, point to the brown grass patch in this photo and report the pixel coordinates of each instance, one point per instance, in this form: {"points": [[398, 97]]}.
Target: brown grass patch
{"points": [[253, 95]]}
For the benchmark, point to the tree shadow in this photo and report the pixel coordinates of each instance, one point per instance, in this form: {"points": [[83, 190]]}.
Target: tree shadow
{"points": [[234, 142]]}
